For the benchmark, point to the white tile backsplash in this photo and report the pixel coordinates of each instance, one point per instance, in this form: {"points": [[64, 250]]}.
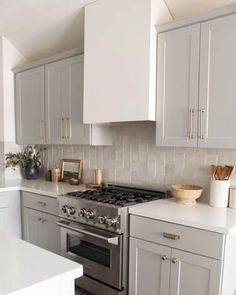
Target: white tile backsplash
{"points": [[134, 159]]}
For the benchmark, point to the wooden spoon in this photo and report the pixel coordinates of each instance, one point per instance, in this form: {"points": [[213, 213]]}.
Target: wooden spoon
{"points": [[218, 172], [212, 171], [231, 171], [225, 172]]}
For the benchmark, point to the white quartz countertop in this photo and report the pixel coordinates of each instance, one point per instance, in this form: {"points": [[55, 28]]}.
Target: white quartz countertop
{"points": [[40, 186], [202, 216], [23, 265]]}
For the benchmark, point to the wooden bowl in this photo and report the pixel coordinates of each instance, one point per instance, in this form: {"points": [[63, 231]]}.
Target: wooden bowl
{"points": [[186, 194]]}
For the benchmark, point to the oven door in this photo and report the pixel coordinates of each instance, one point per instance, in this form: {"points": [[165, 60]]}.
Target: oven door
{"points": [[99, 251]]}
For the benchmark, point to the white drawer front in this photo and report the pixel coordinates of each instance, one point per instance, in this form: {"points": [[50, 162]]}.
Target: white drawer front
{"points": [[41, 203], [178, 236]]}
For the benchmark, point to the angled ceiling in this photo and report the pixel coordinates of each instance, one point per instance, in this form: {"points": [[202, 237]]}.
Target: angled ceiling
{"points": [[41, 28], [185, 8]]}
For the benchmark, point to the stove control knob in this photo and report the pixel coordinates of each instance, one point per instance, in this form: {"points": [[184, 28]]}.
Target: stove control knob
{"points": [[71, 210], [102, 219], [112, 222], [82, 212], [90, 214], [64, 209]]}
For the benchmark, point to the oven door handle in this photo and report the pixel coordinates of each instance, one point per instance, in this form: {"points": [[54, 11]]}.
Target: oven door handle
{"points": [[112, 240]]}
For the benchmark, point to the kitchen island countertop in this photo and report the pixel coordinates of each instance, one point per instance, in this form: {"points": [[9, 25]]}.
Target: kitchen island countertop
{"points": [[30, 270], [202, 216]]}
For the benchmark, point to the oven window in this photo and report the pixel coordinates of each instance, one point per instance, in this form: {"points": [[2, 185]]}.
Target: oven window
{"points": [[87, 250]]}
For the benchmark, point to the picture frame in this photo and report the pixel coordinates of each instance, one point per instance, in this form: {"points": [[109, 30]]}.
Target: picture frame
{"points": [[71, 169]]}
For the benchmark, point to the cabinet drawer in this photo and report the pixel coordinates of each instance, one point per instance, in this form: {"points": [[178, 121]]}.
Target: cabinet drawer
{"points": [[177, 236], [40, 203]]}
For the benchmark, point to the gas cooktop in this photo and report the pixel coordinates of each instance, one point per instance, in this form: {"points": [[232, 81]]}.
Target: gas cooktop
{"points": [[119, 196]]}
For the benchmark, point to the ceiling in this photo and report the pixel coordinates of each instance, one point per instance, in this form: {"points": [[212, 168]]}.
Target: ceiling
{"points": [[185, 8], [41, 28]]}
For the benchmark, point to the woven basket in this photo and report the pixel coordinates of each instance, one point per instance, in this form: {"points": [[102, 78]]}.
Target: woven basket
{"points": [[186, 194]]}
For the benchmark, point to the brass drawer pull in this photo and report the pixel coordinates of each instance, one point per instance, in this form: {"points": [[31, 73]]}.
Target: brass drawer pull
{"points": [[174, 260], [164, 257], [42, 204], [171, 236]]}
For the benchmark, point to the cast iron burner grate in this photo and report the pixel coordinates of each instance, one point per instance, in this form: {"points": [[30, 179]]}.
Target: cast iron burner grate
{"points": [[119, 196]]}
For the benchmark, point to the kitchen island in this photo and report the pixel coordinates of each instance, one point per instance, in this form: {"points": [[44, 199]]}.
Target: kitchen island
{"points": [[29, 270]]}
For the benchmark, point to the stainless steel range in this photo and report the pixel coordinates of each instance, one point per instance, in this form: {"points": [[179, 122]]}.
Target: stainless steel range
{"points": [[94, 232]]}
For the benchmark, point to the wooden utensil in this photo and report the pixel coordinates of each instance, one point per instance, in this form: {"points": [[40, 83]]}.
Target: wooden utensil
{"points": [[212, 171], [225, 172], [231, 170]]}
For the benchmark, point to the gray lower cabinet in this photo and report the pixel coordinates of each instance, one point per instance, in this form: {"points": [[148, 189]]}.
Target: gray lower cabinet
{"points": [[158, 268], [40, 227], [149, 273]]}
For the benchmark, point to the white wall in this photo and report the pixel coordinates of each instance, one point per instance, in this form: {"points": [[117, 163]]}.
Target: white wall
{"points": [[10, 58]]}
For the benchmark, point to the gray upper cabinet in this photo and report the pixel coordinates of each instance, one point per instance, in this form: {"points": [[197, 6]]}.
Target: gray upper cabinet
{"points": [[196, 84], [64, 103], [217, 99], [55, 74], [30, 106], [75, 131], [55, 91], [177, 87]]}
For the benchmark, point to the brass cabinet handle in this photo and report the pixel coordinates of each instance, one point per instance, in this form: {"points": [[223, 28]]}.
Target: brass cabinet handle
{"points": [[201, 112], [68, 128], [62, 126], [171, 236], [191, 113], [174, 260], [164, 257], [41, 129], [42, 204]]}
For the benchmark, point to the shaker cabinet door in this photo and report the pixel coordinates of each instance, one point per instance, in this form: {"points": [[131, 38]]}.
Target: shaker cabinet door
{"points": [[32, 226], [194, 274], [76, 131], [51, 233], [30, 124], [177, 87], [55, 102], [217, 100], [149, 268], [41, 229]]}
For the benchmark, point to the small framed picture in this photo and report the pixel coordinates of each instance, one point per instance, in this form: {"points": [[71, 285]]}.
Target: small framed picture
{"points": [[71, 169]]}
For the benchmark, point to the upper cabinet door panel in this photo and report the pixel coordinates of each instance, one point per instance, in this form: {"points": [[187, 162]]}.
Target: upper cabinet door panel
{"points": [[120, 60], [30, 106], [77, 132], [217, 98], [55, 102], [177, 87]]}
